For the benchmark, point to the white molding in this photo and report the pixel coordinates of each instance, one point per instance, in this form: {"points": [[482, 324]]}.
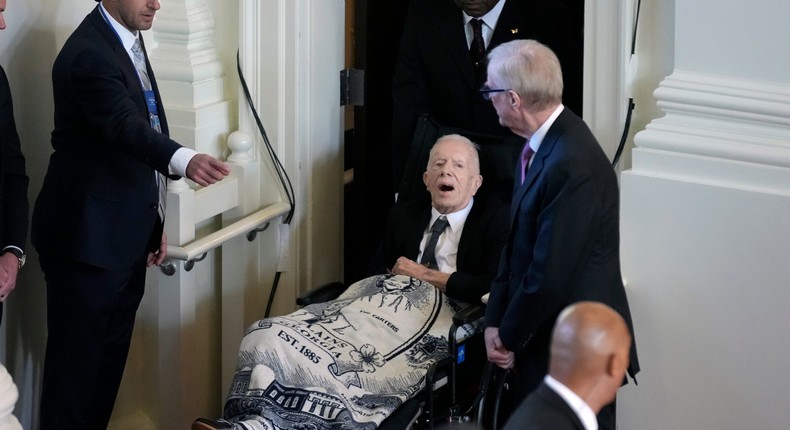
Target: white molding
{"points": [[722, 117]]}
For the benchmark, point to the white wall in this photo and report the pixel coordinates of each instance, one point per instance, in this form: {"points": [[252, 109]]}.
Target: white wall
{"points": [[705, 222]]}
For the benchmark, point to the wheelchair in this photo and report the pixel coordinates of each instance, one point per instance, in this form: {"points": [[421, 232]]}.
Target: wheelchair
{"points": [[457, 387], [452, 391]]}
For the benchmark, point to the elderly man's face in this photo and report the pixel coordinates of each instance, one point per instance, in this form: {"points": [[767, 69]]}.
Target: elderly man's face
{"points": [[452, 176], [476, 8]]}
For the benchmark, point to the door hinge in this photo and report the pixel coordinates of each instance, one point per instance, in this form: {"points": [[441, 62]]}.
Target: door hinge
{"points": [[352, 87]]}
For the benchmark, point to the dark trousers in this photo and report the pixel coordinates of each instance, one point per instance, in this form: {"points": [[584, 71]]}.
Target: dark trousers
{"points": [[90, 317]]}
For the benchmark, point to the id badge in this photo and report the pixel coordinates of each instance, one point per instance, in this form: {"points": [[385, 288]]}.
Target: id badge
{"points": [[154, 119], [153, 113], [150, 100]]}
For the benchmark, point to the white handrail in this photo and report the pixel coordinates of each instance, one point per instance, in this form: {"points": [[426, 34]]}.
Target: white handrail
{"points": [[214, 240]]}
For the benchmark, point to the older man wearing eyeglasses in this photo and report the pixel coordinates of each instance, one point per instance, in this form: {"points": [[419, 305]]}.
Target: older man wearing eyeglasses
{"points": [[564, 245]]}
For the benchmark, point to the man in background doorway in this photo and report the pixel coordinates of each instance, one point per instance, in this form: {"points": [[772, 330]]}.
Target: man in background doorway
{"points": [[441, 64]]}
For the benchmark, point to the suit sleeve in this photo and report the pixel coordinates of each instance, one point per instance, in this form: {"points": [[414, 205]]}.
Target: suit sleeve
{"points": [[99, 89], [15, 205]]}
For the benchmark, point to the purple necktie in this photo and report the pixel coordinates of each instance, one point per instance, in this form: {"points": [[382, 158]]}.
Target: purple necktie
{"points": [[526, 155]]}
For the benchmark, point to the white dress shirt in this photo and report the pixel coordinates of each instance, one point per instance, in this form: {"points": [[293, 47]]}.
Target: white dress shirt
{"points": [[447, 246], [582, 409], [489, 23]]}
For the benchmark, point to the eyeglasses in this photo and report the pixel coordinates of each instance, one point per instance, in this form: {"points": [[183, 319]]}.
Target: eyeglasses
{"points": [[487, 93]]}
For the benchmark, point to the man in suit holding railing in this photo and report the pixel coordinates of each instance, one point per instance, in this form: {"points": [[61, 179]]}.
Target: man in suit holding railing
{"points": [[98, 221]]}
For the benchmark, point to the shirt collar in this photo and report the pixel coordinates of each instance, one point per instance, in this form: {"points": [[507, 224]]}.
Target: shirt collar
{"points": [[537, 137], [490, 19], [127, 37], [456, 219], [582, 409]]}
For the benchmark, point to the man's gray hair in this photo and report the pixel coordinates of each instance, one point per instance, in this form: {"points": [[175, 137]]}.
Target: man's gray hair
{"points": [[529, 68]]}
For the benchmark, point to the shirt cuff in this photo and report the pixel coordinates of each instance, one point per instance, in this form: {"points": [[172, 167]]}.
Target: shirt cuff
{"points": [[180, 160]]}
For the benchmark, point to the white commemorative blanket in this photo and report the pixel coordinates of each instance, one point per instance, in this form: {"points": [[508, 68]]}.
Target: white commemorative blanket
{"points": [[343, 364]]}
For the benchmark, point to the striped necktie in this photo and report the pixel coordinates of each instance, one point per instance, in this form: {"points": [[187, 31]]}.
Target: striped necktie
{"points": [[142, 71]]}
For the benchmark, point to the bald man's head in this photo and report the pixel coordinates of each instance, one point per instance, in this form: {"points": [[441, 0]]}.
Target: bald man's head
{"points": [[589, 350]]}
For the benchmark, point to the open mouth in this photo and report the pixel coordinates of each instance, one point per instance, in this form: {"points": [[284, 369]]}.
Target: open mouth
{"points": [[446, 187]]}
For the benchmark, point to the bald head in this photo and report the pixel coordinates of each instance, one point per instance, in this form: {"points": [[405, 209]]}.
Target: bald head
{"points": [[589, 351]]}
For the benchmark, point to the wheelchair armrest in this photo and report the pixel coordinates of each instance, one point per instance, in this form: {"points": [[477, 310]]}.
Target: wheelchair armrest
{"points": [[469, 314], [321, 294]]}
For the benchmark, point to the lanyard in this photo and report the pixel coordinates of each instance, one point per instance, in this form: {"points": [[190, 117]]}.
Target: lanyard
{"points": [[150, 97]]}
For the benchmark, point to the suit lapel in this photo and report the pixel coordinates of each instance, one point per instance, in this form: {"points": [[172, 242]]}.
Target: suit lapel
{"points": [[470, 225], [121, 56], [555, 401], [508, 26], [127, 66], [539, 160], [454, 38], [416, 229]]}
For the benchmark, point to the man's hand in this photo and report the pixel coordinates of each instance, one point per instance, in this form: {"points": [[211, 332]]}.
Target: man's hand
{"points": [[497, 353], [407, 267], [206, 170], [9, 267], [156, 258]]}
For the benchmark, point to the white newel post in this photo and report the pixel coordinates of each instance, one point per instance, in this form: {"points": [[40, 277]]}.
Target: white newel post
{"points": [[291, 54], [705, 228], [242, 284]]}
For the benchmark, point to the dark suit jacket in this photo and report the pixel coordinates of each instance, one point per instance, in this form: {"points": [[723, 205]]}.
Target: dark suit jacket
{"points": [[484, 235], [434, 73], [564, 246], [13, 179], [544, 409], [98, 204]]}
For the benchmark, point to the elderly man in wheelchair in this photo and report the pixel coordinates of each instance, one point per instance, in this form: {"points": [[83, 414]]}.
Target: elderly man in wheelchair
{"points": [[352, 361]]}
